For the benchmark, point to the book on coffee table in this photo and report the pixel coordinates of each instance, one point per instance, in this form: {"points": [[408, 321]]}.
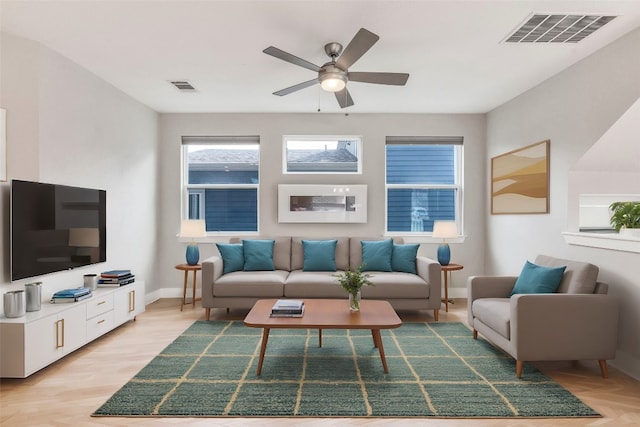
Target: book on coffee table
{"points": [[287, 308]]}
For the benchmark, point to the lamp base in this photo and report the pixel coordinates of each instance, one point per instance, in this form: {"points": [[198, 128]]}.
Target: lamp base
{"points": [[193, 254], [444, 254]]}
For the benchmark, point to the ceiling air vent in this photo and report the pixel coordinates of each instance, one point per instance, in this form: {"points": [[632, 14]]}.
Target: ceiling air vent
{"points": [[183, 85], [546, 28]]}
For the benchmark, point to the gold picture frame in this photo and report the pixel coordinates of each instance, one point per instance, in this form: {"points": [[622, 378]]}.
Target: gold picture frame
{"points": [[520, 180]]}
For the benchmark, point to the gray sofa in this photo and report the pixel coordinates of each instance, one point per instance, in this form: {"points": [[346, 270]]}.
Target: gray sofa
{"points": [[241, 289], [577, 322]]}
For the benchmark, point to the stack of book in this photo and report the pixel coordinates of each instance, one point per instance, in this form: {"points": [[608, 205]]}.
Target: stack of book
{"points": [[71, 295], [115, 278], [287, 308]]}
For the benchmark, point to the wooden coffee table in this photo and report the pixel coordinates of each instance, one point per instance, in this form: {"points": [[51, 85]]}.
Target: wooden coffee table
{"points": [[326, 314]]}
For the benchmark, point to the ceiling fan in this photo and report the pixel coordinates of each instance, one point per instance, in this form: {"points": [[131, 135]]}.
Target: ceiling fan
{"points": [[334, 75]]}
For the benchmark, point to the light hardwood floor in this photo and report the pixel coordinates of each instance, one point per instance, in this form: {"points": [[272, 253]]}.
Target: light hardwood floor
{"points": [[67, 392]]}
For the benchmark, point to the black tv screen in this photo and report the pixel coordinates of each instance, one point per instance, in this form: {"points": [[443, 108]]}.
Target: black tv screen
{"points": [[56, 228]]}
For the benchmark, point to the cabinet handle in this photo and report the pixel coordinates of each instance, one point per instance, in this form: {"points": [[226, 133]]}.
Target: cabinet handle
{"points": [[132, 301], [101, 302], [101, 321], [60, 333]]}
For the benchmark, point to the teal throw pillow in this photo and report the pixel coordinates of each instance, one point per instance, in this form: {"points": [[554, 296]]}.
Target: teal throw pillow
{"points": [[535, 279], [258, 255], [232, 257], [319, 255], [403, 258], [376, 255]]}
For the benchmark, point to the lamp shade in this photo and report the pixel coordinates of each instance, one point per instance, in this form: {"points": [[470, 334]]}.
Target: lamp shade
{"points": [[445, 229], [192, 228]]}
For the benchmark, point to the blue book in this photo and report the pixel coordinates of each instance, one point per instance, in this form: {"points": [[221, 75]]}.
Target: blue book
{"points": [[72, 293]]}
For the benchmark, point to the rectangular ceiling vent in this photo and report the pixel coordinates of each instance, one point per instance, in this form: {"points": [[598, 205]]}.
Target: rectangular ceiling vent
{"points": [[183, 85], [547, 28]]}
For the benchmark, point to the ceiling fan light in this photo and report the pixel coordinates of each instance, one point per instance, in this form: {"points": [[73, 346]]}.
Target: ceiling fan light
{"points": [[333, 83]]}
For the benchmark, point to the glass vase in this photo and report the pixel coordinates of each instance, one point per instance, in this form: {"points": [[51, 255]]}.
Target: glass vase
{"points": [[354, 301]]}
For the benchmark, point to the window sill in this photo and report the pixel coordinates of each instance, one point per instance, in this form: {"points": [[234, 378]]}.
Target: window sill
{"points": [[603, 241]]}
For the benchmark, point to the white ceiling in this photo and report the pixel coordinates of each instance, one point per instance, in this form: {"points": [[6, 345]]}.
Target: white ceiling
{"points": [[452, 49]]}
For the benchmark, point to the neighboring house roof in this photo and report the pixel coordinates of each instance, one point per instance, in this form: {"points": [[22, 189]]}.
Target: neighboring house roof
{"points": [[230, 156]]}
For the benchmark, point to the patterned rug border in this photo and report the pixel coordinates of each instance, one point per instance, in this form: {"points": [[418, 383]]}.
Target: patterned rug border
{"points": [[128, 403]]}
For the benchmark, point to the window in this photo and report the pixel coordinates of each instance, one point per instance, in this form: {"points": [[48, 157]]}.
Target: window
{"points": [[322, 154], [220, 182], [423, 182]]}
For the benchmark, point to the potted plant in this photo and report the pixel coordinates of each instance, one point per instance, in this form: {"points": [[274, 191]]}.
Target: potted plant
{"points": [[352, 281], [625, 218]]}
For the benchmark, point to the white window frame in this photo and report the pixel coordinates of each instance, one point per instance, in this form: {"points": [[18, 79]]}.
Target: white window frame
{"points": [[321, 139], [458, 177], [184, 178]]}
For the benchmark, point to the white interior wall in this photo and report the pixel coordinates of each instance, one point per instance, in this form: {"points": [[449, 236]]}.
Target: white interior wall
{"points": [[573, 109], [66, 126], [271, 127]]}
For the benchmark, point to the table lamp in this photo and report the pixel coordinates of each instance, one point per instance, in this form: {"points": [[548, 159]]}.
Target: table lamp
{"points": [[444, 230], [192, 228]]}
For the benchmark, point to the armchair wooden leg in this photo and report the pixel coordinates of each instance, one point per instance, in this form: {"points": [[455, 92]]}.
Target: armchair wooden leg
{"points": [[436, 312], [519, 364], [207, 313], [475, 334], [603, 368]]}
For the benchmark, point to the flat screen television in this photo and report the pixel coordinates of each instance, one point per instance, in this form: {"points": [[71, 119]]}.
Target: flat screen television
{"points": [[55, 228]]}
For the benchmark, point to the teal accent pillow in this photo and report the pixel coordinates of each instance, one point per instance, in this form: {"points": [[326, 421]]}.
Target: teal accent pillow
{"points": [[403, 258], [232, 257], [535, 279], [258, 255], [376, 255], [319, 255]]}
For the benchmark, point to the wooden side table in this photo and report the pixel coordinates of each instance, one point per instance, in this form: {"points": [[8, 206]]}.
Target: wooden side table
{"points": [[446, 271], [187, 268]]}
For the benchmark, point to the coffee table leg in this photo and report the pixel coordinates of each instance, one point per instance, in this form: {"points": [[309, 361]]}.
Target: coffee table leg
{"points": [[263, 348], [319, 337], [373, 335], [377, 339]]}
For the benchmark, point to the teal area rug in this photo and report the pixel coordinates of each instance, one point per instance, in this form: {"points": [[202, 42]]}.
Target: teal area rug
{"points": [[435, 370]]}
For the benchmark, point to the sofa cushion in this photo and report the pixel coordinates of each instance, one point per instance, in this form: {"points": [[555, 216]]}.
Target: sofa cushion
{"points": [[495, 313], [390, 285], [281, 251], [535, 279], [313, 284], [341, 254], [579, 277], [319, 255], [403, 258], [376, 255], [232, 257], [355, 250], [258, 284], [258, 255]]}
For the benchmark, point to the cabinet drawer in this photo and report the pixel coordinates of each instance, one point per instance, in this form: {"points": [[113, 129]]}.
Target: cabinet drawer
{"points": [[99, 305], [99, 325]]}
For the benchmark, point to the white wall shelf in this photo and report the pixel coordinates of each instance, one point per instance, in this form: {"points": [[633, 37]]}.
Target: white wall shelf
{"points": [[603, 241]]}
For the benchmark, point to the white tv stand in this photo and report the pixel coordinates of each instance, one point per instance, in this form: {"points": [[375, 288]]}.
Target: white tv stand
{"points": [[34, 341]]}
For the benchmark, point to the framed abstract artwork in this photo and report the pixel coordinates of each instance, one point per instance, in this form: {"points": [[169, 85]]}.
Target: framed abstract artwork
{"points": [[520, 181]]}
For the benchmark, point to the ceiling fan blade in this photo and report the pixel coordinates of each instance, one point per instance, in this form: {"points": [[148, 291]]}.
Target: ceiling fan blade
{"points": [[295, 88], [344, 98], [358, 46], [285, 56], [397, 79]]}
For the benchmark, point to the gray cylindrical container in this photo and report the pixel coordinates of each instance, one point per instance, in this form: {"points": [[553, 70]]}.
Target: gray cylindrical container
{"points": [[34, 296], [91, 281], [14, 303]]}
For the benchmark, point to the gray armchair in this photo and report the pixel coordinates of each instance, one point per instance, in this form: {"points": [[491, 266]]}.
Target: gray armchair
{"points": [[578, 322]]}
